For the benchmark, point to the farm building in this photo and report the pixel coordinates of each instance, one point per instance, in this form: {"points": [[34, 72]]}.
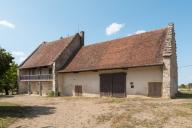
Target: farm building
{"points": [[140, 64]]}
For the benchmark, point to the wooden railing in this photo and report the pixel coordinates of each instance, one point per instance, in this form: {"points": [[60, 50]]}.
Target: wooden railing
{"points": [[36, 77]]}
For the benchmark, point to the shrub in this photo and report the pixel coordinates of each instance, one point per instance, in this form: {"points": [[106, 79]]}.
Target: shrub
{"points": [[52, 94]]}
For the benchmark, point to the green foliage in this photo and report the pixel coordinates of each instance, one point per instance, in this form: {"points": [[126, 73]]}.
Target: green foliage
{"points": [[183, 86], [186, 86], [190, 85], [8, 72], [5, 60], [52, 94], [9, 79]]}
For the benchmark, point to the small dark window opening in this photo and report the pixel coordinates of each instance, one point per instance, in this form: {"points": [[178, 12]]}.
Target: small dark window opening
{"points": [[78, 90], [50, 70], [132, 85]]}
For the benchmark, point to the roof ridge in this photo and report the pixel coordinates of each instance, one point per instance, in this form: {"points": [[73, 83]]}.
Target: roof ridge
{"points": [[130, 51], [56, 41], [64, 42], [108, 41]]}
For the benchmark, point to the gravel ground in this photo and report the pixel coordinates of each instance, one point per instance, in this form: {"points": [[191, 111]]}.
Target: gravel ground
{"points": [[79, 112], [57, 112]]}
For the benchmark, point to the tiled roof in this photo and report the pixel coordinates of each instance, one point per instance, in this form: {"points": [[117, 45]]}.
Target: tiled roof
{"points": [[136, 50], [46, 53]]}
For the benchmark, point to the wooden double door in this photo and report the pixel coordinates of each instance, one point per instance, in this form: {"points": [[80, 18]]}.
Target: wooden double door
{"points": [[155, 89], [113, 84]]}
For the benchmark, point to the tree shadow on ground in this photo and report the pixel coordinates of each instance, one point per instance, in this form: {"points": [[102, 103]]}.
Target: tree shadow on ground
{"points": [[25, 111], [6, 96]]}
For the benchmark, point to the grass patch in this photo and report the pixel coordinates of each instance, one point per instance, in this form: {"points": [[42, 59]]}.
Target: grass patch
{"points": [[187, 105], [184, 94], [104, 118], [6, 120], [10, 112]]}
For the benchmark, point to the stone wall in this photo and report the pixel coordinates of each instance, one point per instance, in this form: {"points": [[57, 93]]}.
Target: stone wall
{"points": [[23, 87], [68, 53], [170, 74], [66, 56], [33, 87], [46, 88]]}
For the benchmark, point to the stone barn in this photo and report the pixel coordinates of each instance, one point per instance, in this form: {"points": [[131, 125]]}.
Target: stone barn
{"points": [[140, 64]]}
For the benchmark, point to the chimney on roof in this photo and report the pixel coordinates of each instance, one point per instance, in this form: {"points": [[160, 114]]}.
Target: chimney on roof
{"points": [[81, 34]]}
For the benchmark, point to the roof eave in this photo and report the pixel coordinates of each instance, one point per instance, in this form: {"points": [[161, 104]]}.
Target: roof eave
{"points": [[39, 66], [30, 55], [136, 66]]}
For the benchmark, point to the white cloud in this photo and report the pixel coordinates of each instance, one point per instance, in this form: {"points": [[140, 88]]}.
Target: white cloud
{"points": [[21, 59], [140, 31], [114, 28], [6, 24], [137, 32], [18, 53], [19, 56]]}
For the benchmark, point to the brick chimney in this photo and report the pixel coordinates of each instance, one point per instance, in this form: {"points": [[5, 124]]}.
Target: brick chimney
{"points": [[81, 34]]}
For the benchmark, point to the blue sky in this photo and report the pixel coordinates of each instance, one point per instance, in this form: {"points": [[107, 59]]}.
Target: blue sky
{"points": [[25, 24]]}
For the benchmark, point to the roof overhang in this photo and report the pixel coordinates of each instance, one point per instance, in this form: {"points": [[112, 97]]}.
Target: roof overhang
{"points": [[38, 66], [123, 68]]}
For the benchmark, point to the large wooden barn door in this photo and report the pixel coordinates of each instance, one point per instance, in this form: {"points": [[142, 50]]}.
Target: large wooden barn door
{"points": [[105, 84], [113, 84], [119, 85], [155, 89]]}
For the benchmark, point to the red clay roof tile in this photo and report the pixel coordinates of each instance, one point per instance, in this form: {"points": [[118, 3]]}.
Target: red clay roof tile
{"points": [[137, 50], [47, 53]]}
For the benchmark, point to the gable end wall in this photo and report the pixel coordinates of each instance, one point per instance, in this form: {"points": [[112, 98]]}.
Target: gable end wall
{"points": [[170, 74], [65, 58]]}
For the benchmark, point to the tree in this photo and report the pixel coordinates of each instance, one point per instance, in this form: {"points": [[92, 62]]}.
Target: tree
{"points": [[190, 85], [5, 64], [5, 61], [9, 79], [183, 86]]}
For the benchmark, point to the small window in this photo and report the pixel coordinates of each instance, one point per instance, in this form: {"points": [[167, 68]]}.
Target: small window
{"points": [[50, 70], [32, 72], [78, 90], [132, 84]]}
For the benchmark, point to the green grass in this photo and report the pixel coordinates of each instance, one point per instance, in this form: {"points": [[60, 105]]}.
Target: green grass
{"points": [[184, 94], [187, 105], [5, 119], [186, 91]]}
